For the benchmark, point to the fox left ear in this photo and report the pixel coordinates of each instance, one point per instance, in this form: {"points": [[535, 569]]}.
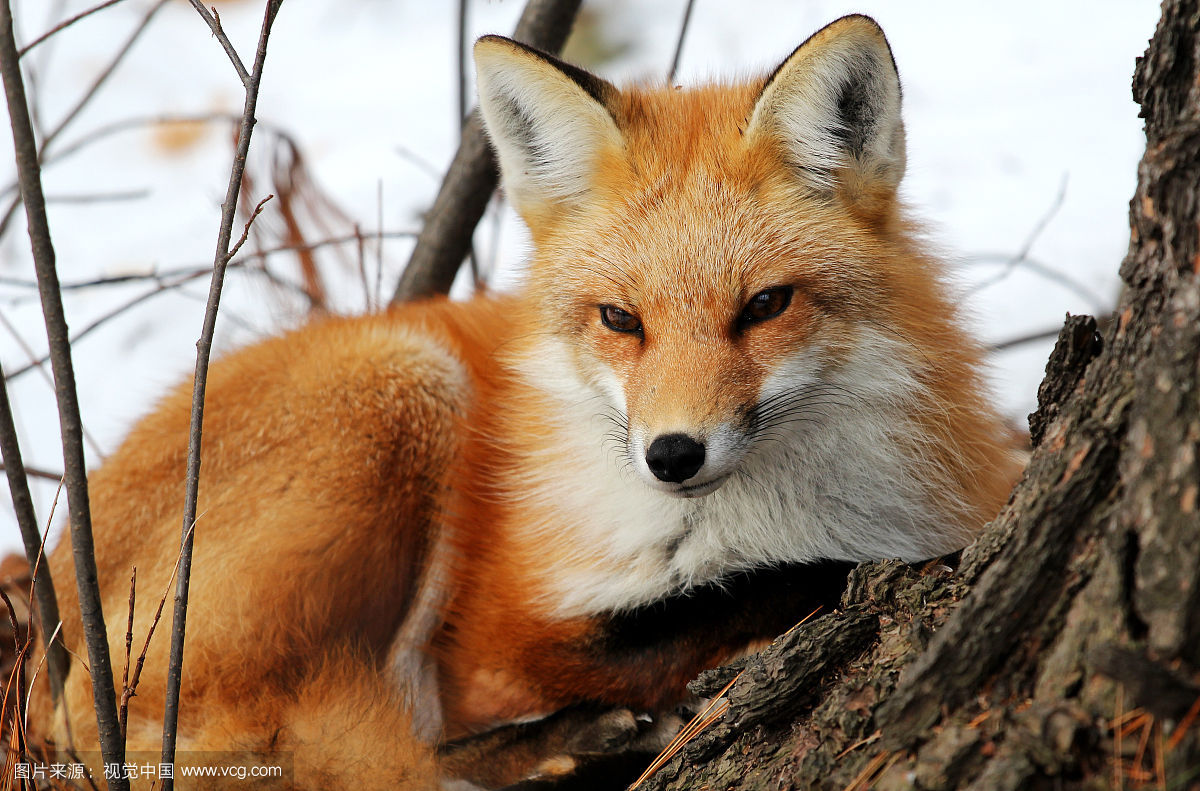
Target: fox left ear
{"points": [[834, 106]]}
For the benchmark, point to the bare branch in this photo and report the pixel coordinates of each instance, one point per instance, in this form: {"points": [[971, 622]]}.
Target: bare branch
{"points": [[446, 238], [203, 350], [1044, 271], [109, 316], [117, 127], [168, 281], [34, 472], [65, 24], [86, 99], [683, 28], [214, 23], [99, 197], [29, 175], [130, 687], [1022, 256], [103, 76], [422, 164], [45, 375], [191, 272], [246, 231]]}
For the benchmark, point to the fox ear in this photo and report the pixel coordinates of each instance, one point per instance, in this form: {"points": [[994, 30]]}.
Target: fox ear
{"points": [[548, 121], [834, 105]]}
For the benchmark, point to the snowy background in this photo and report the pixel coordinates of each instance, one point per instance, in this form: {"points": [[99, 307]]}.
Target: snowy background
{"points": [[1021, 134]]}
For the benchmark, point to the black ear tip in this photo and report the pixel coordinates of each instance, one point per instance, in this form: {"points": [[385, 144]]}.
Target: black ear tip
{"points": [[857, 19], [492, 38]]}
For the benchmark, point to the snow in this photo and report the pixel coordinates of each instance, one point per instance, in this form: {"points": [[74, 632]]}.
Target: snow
{"points": [[1004, 104]]}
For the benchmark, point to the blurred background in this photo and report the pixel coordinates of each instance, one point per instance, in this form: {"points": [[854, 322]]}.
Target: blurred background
{"points": [[1023, 142]]}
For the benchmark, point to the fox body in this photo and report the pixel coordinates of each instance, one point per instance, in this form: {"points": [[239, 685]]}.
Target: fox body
{"points": [[731, 359]]}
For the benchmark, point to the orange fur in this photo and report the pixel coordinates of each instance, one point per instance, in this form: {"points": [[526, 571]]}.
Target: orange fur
{"points": [[388, 493]]}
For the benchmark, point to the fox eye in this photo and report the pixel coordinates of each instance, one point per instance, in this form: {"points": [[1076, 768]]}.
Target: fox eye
{"points": [[766, 304], [619, 320]]}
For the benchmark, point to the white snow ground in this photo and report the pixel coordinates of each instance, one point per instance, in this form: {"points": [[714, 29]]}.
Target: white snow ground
{"points": [[1005, 103]]}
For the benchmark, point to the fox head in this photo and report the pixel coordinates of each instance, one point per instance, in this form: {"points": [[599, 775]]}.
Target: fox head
{"points": [[721, 264]]}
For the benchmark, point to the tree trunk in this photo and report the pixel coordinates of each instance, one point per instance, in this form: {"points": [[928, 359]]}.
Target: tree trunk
{"points": [[1065, 652]]}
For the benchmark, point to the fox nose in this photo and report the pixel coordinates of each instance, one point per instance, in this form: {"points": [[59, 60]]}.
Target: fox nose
{"points": [[674, 457]]}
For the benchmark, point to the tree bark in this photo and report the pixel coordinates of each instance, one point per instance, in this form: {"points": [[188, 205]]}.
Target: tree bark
{"points": [[1065, 651]]}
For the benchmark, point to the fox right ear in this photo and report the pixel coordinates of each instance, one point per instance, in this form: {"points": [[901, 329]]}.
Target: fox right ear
{"points": [[834, 108], [548, 121]]}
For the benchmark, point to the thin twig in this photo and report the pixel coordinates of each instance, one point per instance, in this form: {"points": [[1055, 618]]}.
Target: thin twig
{"points": [[33, 678], [168, 281], [110, 315], [1022, 340], [378, 243], [683, 28], [422, 164], [446, 237], [214, 24], [203, 350], [25, 347], [29, 174], [99, 197], [34, 472], [65, 24], [105, 131], [869, 772], [874, 737], [189, 272], [46, 376], [1022, 255], [1184, 724], [246, 230], [130, 688], [361, 257], [123, 706], [1038, 268], [715, 709], [85, 99]]}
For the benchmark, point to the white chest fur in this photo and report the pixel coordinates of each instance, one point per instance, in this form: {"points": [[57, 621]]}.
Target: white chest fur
{"points": [[846, 484]]}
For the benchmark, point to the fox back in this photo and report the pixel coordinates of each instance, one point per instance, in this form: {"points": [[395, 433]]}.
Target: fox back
{"points": [[732, 355], [732, 372]]}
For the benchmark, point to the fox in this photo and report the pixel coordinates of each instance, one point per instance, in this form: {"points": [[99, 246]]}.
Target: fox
{"points": [[733, 370]]}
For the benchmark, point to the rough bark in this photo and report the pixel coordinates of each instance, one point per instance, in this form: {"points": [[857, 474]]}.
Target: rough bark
{"points": [[1065, 651]]}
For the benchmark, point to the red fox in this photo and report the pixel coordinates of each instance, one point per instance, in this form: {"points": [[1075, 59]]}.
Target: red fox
{"points": [[731, 359]]}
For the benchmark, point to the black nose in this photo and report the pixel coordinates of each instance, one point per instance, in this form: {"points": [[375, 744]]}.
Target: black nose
{"points": [[674, 457]]}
